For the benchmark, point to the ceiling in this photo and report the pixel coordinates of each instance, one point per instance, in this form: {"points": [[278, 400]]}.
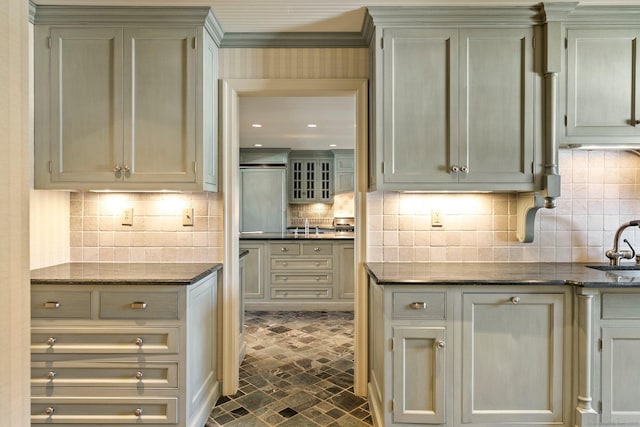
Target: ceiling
{"points": [[285, 121]]}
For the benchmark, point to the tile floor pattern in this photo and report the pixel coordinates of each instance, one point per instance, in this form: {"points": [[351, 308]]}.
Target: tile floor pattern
{"points": [[298, 372]]}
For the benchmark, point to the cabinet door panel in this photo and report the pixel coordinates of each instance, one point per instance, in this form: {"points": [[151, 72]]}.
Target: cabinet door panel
{"points": [[420, 109], [86, 104], [254, 269], [602, 92], [496, 118], [418, 375], [513, 358], [620, 375], [160, 128]]}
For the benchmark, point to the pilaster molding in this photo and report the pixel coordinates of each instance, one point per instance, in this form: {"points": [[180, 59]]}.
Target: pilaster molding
{"points": [[294, 40]]}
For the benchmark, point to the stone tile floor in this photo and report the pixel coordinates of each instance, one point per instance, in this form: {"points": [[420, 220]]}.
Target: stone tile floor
{"points": [[298, 372]]}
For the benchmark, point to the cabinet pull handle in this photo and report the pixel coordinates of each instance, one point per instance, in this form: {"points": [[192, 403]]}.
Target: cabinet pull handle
{"points": [[138, 412], [50, 410], [139, 375], [52, 304], [51, 341], [440, 344], [515, 300], [418, 305], [138, 305], [51, 375], [139, 341], [284, 249]]}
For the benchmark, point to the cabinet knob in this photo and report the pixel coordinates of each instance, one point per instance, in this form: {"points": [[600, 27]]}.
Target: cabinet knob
{"points": [[139, 375], [418, 305], [50, 410], [440, 344], [126, 168], [317, 278], [138, 412], [117, 168], [515, 300], [316, 249], [138, 305], [464, 169], [52, 304], [284, 249], [285, 278], [318, 293], [455, 169], [317, 264], [284, 264], [51, 341], [51, 375], [139, 341], [635, 122]]}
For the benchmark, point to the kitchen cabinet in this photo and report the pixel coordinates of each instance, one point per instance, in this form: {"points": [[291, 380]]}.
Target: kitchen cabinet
{"points": [[300, 274], [454, 108], [344, 171], [513, 353], [311, 177], [263, 199], [600, 104], [110, 354], [129, 102]]}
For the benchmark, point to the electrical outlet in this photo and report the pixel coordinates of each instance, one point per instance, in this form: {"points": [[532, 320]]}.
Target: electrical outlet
{"points": [[436, 218], [187, 216], [126, 218]]}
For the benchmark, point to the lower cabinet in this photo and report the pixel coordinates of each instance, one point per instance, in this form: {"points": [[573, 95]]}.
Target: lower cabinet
{"points": [[124, 354], [458, 356], [299, 274]]}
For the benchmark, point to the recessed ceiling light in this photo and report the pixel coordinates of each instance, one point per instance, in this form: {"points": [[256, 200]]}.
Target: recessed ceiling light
{"points": [[257, 145], [333, 145], [256, 125], [312, 125]]}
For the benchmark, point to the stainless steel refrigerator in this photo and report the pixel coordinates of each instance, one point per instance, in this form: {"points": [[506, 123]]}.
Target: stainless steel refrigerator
{"points": [[263, 198]]}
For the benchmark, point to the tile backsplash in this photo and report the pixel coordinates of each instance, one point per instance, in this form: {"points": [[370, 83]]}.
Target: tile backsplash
{"points": [[600, 191]]}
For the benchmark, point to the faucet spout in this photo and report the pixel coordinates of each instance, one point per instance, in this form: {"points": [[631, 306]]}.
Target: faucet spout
{"points": [[615, 254]]}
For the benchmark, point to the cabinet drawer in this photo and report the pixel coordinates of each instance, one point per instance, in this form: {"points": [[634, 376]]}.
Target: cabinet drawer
{"points": [[104, 340], [419, 305], [620, 305], [98, 410], [139, 305], [61, 304], [125, 374], [301, 293], [284, 248], [301, 264], [317, 249], [285, 278]]}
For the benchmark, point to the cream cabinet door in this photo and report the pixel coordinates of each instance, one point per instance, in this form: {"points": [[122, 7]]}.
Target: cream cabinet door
{"points": [[85, 104], [602, 83], [513, 359], [160, 103]]}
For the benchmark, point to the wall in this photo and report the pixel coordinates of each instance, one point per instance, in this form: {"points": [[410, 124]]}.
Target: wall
{"points": [[600, 190]]}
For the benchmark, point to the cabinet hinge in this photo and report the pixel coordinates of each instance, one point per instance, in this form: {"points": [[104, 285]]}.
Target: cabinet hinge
{"points": [[566, 43], [391, 402], [600, 406], [195, 168], [393, 343], [382, 43], [531, 167], [49, 42], [195, 43], [533, 42], [565, 120], [599, 344], [50, 167], [382, 167]]}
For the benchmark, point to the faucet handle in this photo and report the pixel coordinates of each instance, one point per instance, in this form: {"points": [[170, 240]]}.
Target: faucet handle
{"points": [[634, 223], [627, 254]]}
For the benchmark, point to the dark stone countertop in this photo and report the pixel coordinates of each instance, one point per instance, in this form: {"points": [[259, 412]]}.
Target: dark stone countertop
{"points": [[550, 274], [291, 236], [93, 273]]}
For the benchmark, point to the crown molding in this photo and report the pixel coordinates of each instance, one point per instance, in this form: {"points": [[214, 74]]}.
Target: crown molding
{"points": [[293, 40], [609, 15], [557, 11]]}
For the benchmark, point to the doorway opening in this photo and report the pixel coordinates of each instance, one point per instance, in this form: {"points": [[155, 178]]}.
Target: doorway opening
{"points": [[231, 92]]}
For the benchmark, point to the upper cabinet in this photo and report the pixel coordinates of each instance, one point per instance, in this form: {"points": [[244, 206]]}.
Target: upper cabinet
{"points": [[600, 81], [344, 171], [454, 107], [128, 102], [311, 177]]}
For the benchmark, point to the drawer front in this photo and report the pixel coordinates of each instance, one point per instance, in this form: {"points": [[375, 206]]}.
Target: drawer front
{"points": [[285, 248], [317, 249], [286, 278], [110, 410], [61, 304], [301, 293], [301, 264], [139, 305], [419, 305], [150, 375], [621, 305], [105, 340]]}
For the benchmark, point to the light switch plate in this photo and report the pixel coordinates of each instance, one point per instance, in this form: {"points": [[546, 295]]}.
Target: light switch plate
{"points": [[126, 217], [436, 218], [187, 216]]}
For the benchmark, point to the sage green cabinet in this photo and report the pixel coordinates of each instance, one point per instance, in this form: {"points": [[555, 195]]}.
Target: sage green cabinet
{"points": [[346, 269], [129, 102], [344, 171], [454, 108], [514, 347], [602, 86], [255, 268], [311, 177]]}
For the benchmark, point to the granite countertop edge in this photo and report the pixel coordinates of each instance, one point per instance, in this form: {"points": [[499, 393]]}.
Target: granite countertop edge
{"points": [[123, 273], [483, 274]]}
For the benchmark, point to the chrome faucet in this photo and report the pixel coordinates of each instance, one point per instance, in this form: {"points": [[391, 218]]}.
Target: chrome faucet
{"points": [[615, 254]]}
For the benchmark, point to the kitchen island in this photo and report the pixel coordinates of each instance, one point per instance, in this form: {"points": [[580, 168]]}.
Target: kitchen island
{"points": [[288, 272], [503, 344], [124, 344]]}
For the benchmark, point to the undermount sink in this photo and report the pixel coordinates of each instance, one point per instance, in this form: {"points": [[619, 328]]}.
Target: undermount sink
{"points": [[621, 271]]}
